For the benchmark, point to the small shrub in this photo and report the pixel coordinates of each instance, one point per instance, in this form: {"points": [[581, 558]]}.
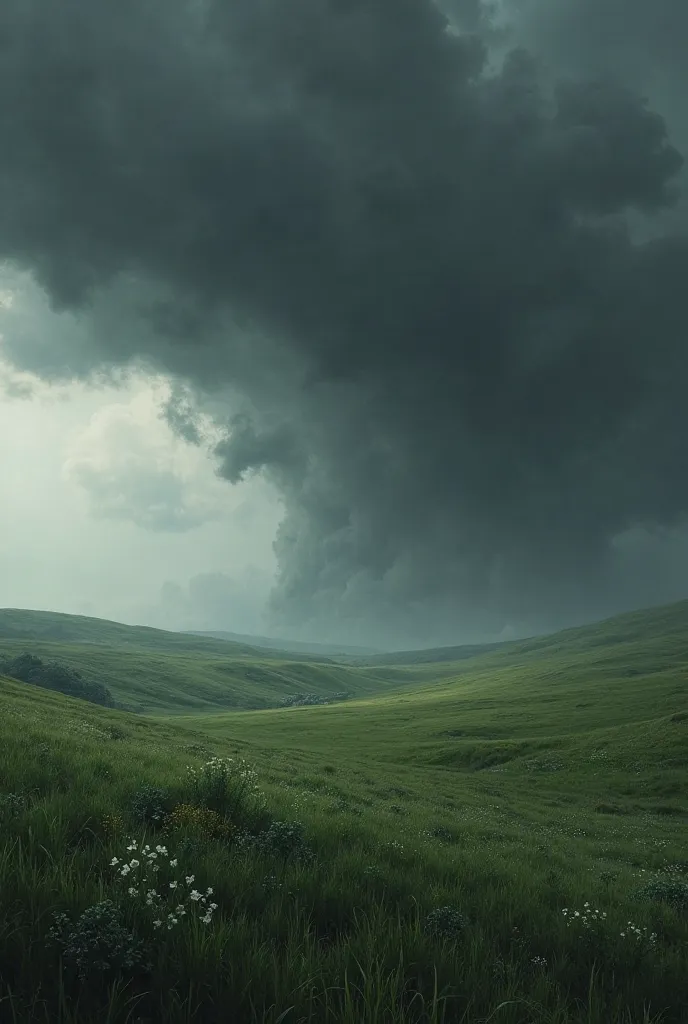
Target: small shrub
{"points": [[673, 891], [148, 805], [445, 923], [28, 668], [227, 786], [608, 876], [199, 821], [116, 732], [12, 805], [284, 839], [98, 941]]}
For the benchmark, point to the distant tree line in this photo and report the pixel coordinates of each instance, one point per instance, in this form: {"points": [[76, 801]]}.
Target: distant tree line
{"points": [[302, 699], [51, 675]]}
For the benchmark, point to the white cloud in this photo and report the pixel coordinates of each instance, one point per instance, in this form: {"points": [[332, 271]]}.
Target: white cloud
{"points": [[134, 468]]}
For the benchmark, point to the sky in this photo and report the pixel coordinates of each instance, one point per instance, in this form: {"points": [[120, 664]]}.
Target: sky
{"points": [[351, 321]]}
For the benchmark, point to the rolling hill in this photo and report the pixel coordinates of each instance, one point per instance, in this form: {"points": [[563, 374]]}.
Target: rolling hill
{"points": [[494, 794], [57, 627], [151, 670], [628, 672]]}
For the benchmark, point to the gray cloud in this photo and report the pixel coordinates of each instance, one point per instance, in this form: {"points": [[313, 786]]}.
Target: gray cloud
{"points": [[415, 277]]}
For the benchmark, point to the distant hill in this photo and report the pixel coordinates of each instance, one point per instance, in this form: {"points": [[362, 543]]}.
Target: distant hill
{"points": [[621, 683], [27, 624], [433, 655], [648, 624], [295, 646], [152, 670]]}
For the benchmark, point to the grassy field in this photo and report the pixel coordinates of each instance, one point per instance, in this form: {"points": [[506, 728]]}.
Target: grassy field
{"points": [[151, 670], [502, 838]]}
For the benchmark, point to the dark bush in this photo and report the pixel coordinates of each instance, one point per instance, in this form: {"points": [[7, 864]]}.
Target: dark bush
{"points": [[283, 839], [665, 890], [149, 805], [445, 923], [97, 942], [51, 675]]}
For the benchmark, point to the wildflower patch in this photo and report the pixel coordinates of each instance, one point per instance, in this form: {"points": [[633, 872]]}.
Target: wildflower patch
{"points": [[150, 878]]}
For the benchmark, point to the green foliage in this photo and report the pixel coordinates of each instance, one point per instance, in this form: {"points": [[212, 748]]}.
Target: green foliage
{"points": [[227, 786], [673, 891], [12, 805], [97, 942], [445, 923], [149, 805], [28, 668], [284, 839], [200, 822]]}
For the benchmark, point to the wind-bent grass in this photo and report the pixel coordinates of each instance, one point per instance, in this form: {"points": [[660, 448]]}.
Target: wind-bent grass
{"points": [[549, 809]]}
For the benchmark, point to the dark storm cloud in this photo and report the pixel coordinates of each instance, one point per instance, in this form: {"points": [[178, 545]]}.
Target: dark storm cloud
{"points": [[464, 375], [640, 39], [641, 42]]}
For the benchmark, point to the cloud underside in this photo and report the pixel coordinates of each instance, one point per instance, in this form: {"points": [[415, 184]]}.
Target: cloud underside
{"points": [[412, 270]]}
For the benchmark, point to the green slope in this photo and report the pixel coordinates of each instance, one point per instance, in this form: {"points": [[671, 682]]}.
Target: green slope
{"points": [[56, 627], [648, 625], [151, 670], [510, 786], [155, 681], [627, 671]]}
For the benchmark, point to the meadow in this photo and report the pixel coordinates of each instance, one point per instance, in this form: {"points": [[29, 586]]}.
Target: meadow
{"points": [[497, 835]]}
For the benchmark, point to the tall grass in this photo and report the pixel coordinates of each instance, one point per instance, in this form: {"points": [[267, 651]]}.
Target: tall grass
{"points": [[341, 936]]}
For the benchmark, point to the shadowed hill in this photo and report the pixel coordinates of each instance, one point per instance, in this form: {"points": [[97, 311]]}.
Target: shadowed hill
{"points": [[151, 670], [626, 672], [648, 625]]}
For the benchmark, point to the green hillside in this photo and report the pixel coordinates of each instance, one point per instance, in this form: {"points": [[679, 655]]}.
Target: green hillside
{"points": [[653, 626], [628, 671], [56, 627], [152, 670], [156, 681], [503, 840]]}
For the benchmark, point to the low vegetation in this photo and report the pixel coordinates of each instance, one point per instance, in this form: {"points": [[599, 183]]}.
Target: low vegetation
{"points": [[52, 675], [464, 852]]}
